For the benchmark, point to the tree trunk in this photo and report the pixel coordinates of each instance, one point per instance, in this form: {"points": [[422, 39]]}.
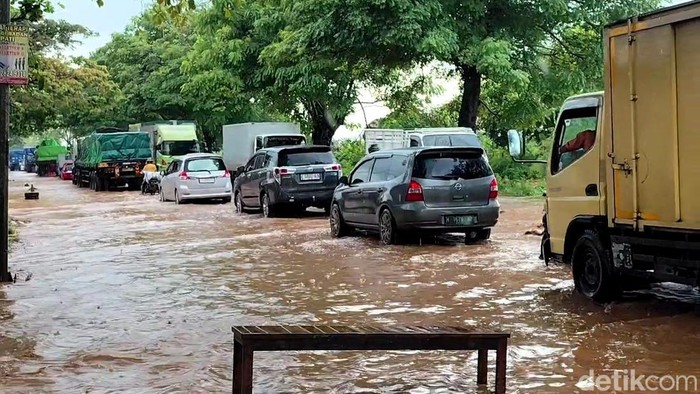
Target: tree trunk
{"points": [[471, 91], [323, 124]]}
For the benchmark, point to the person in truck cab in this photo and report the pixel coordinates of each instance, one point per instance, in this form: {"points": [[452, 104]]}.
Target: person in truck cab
{"points": [[583, 140]]}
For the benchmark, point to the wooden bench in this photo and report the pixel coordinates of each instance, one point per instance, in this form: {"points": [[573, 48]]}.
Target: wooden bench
{"points": [[248, 339]]}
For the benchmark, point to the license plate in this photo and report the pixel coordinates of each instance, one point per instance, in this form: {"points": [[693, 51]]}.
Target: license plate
{"points": [[310, 177], [459, 220], [206, 180]]}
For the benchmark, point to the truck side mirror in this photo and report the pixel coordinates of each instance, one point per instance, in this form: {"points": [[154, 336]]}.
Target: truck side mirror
{"points": [[516, 143]]}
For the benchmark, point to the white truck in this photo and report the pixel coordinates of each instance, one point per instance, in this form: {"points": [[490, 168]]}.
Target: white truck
{"points": [[383, 139], [242, 140]]}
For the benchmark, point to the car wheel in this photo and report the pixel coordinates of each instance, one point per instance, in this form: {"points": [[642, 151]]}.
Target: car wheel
{"points": [[479, 235], [594, 276], [267, 209], [338, 226], [387, 228], [238, 201], [178, 200]]}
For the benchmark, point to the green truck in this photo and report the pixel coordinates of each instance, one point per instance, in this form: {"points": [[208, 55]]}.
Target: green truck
{"points": [[169, 139], [46, 154], [110, 158]]}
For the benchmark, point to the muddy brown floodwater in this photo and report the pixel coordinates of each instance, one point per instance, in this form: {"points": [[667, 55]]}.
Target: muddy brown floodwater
{"points": [[130, 294]]}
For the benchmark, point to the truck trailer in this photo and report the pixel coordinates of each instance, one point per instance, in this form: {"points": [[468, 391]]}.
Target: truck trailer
{"points": [[111, 158], [622, 176], [242, 140], [169, 139]]}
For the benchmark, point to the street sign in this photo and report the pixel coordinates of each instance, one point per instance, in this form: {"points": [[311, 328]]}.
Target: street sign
{"points": [[14, 54]]}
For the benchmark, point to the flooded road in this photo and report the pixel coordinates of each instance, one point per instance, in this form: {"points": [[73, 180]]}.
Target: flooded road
{"points": [[130, 294]]}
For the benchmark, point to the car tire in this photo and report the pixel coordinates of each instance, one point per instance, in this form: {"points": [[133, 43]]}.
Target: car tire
{"points": [[161, 195], [593, 272], [227, 200], [268, 210], [337, 224], [480, 235], [178, 200], [238, 202], [388, 233]]}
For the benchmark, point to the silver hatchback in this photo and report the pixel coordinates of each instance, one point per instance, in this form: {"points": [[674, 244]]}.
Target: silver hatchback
{"points": [[423, 189], [196, 176]]}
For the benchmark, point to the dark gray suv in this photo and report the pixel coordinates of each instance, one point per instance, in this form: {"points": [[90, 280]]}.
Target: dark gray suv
{"points": [[287, 178], [417, 190]]}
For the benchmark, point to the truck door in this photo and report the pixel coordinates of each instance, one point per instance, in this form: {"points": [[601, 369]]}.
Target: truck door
{"points": [[573, 173]]}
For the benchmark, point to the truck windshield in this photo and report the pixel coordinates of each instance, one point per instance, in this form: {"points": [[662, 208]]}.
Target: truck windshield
{"points": [[205, 164], [179, 148], [284, 140], [451, 140], [458, 165], [305, 158]]}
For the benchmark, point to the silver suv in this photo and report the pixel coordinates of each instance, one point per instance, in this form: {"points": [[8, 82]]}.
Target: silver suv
{"points": [[422, 189]]}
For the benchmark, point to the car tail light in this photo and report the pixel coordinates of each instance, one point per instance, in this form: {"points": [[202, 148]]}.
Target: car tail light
{"points": [[415, 192], [184, 176], [279, 171], [227, 174], [334, 167], [493, 190]]}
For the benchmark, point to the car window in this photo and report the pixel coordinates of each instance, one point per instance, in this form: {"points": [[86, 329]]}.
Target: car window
{"points": [[267, 160], [449, 166], [251, 162], [414, 142], [305, 158], [259, 160], [361, 173], [205, 164], [387, 168]]}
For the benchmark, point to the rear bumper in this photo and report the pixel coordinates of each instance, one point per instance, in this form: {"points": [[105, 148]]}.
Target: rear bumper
{"points": [[187, 193], [419, 217], [319, 198]]}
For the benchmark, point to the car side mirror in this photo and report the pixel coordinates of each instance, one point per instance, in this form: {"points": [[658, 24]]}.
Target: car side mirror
{"points": [[516, 143], [162, 173], [343, 180], [240, 170]]}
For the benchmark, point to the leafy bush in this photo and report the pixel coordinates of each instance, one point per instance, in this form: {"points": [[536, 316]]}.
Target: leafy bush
{"points": [[348, 153]]}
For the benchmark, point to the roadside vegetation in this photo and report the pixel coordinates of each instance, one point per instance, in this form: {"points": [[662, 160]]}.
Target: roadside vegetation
{"points": [[311, 62]]}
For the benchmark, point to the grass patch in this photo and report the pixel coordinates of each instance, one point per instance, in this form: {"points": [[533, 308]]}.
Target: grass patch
{"points": [[521, 187]]}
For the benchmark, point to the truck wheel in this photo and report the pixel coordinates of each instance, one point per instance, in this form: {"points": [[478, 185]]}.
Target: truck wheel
{"points": [[593, 272]]}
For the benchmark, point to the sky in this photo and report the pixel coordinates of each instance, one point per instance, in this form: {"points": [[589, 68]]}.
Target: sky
{"points": [[115, 15]]}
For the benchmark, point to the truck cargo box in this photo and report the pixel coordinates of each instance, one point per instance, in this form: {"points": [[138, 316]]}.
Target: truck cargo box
{"points": [[652, 89]]}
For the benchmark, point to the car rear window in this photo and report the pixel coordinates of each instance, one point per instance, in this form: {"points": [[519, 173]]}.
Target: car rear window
{"points": [[305, 158], [205, 164], [452, 165], [282, 141]]}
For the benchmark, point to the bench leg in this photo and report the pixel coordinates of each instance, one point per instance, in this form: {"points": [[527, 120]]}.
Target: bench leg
{"points": [[242, 369], [501, 354], [482, 366]]}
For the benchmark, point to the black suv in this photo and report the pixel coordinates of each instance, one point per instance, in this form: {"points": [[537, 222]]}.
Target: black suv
{"points": [[287, 177]]}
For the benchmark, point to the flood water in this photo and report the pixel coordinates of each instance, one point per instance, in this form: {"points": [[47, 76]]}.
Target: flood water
{"points": [[127, 294]]}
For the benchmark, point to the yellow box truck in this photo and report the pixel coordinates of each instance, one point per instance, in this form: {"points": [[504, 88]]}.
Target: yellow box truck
{"points": [[623, 178]]}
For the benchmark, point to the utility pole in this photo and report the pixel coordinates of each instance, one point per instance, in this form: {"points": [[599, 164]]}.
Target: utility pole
{"points": [[4, 161]]}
